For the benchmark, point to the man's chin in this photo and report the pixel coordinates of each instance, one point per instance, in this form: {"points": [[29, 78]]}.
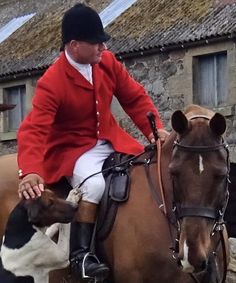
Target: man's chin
{"points": [[97, 60]]}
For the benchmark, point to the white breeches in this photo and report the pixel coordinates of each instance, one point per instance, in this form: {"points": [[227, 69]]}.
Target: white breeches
{"points": [[87, 164]]}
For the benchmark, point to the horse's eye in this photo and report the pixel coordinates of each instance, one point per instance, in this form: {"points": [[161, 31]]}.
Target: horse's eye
{"points": [[220, 176], [220, 173]]}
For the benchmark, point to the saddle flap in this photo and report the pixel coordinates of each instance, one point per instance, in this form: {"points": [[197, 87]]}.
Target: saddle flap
{"points": [[119, 186]]}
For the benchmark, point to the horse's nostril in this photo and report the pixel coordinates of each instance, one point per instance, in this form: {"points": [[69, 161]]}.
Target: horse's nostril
{"points": [[179, 262], [204, 265], [201, 266]]}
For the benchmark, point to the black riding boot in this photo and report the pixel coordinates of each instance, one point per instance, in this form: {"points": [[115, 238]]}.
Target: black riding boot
{"points": [[84, 264]]}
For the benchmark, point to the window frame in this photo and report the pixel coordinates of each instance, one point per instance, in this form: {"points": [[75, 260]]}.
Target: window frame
{"points": [[9, 126], [29, 84], [214, 61]]}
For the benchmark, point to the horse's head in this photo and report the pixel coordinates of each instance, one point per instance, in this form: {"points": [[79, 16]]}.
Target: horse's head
{"points": [[199, 168]]}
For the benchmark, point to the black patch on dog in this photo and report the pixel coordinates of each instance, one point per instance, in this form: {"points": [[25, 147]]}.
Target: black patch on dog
{"points": [[18, 222], [8, 277]]}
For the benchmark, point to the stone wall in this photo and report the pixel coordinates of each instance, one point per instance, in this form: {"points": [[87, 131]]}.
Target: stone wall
{"points": [[168, 79], [8, 147], [154, 72]]}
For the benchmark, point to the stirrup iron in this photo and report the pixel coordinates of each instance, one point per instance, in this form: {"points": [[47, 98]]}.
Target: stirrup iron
{"points": [[94, 257]]}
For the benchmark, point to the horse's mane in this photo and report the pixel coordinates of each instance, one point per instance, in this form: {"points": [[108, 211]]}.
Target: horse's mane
{"points": [[193, 109]]}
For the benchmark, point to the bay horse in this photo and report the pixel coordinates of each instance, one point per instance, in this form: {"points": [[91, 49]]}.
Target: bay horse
{"points": [[171, 228], [182, 214]]}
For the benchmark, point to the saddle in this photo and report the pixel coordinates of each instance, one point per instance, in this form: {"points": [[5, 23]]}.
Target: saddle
{"points": [[116, 170], [116, 175]]}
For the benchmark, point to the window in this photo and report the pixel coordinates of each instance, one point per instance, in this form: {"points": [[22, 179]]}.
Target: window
{"points": [[13, 118], [210, 80]]}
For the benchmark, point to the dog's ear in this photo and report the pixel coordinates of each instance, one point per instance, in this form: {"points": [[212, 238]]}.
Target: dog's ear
{"points": [[34, 208]]}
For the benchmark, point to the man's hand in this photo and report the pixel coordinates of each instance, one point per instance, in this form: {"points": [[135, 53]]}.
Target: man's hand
{"points": [[162, 134], [31, 186]]}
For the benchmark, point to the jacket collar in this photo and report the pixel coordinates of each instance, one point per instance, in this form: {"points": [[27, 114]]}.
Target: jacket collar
{"points": [[74, 74]]}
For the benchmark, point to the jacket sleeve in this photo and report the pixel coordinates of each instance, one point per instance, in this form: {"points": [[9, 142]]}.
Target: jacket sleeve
{"points": [[134, 99], [34, 129]]}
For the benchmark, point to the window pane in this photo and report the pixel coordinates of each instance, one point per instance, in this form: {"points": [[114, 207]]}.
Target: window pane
{"points": [[15, 95], [222, 80], [209, 80]]}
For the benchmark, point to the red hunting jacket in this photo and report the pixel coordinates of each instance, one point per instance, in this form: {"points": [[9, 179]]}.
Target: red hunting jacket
{"points": [[69, 115]]}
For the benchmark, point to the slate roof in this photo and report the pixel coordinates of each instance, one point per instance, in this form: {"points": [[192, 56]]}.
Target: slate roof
{"points": [[147, 24], [152, 23]]}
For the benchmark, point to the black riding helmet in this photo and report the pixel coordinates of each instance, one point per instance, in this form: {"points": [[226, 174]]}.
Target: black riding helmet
{"points": [[82, 23]]}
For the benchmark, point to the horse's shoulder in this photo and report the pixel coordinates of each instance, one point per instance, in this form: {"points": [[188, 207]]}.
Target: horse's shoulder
{"points": [[8, 167], [9, 158]]}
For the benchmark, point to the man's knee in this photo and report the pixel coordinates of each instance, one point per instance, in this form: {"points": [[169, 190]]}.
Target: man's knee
{"points": [[93, 190]]}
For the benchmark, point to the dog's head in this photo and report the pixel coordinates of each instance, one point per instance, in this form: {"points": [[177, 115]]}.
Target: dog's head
{"points": [[48, 209]]}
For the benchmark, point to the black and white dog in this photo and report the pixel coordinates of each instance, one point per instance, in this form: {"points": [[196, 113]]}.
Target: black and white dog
{"points": [[27, 253]]}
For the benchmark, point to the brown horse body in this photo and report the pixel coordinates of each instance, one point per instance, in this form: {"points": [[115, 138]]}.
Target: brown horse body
{"points": [[139, 246]]}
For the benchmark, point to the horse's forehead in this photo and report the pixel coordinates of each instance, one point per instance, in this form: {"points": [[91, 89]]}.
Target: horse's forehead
{"points": [[193, 114], [200, 124], [194, 110]]}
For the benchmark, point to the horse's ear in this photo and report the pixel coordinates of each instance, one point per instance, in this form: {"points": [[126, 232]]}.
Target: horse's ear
{"points": [[218, 124], [179, 122]]}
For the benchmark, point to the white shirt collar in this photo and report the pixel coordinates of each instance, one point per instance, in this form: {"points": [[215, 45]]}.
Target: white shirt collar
{"points": [[84, 69]]}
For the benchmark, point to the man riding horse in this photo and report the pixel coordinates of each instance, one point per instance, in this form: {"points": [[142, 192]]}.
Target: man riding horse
{"points": [[70, 130]]}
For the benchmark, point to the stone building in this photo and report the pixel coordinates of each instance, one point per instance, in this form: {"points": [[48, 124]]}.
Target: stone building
{"points": [[182, 51]]}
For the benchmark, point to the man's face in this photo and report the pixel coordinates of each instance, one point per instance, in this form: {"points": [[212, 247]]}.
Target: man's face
{"points": [[87, 53]]}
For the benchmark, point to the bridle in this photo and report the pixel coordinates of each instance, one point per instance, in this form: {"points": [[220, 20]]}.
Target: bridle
{"points": [[206, 212], [215, 214]]}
